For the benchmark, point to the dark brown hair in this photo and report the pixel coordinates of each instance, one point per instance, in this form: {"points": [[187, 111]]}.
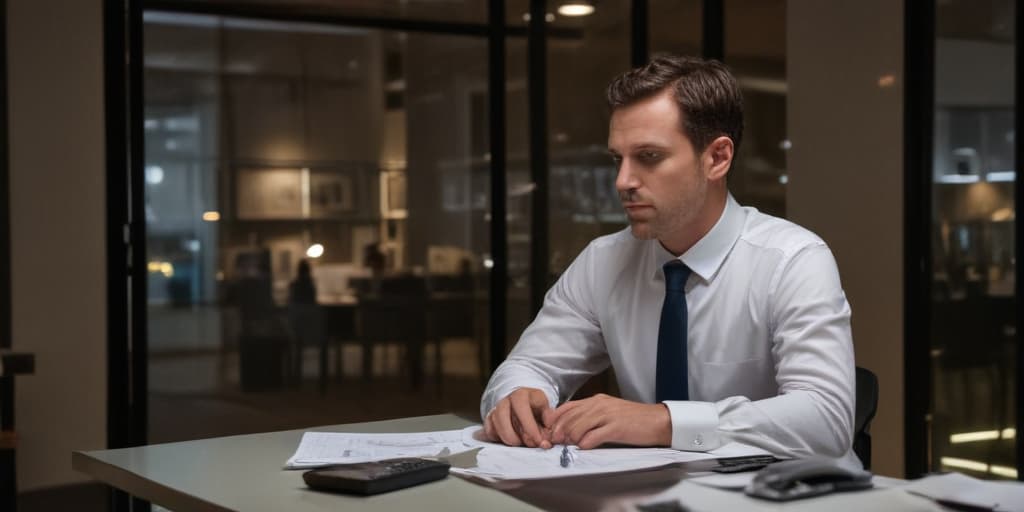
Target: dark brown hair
{"points": [[709, 99]]}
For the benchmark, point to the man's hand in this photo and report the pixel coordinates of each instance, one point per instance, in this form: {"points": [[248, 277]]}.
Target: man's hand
{"points": [[515, 420], [600, 419]]}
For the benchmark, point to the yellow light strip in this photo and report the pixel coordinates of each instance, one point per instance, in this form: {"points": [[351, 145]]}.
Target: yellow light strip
{"points": [[970, 437], [1005, 471], [211, 216], [983, 435], [964, 464]]}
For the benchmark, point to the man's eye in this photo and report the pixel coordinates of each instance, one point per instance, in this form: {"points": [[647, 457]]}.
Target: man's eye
{"points": [[650, 156], [617, 160]]}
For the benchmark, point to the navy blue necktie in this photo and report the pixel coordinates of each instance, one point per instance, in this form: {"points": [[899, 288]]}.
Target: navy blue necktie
{"points": [[671, 381]]}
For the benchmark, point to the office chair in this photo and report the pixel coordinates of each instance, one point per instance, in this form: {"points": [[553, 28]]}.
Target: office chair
{"points": [[865, 409]]}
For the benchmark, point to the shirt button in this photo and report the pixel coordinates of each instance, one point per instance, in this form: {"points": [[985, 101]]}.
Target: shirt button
{"points": [[698, 441]]}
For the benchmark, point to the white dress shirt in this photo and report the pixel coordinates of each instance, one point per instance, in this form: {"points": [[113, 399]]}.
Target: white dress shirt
{"points": [[770, 354]]}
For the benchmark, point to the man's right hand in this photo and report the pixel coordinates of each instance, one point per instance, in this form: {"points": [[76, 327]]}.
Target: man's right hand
{"points": [[515, 421]]}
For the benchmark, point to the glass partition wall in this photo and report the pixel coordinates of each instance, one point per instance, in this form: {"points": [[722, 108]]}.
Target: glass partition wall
{"points": [[316, 210], [974, 378], [318, 195]]}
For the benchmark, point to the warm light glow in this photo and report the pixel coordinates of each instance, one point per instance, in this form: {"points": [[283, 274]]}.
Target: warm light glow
{"points": [[1004, 471], [315, 251], [548, 17], [983, 435], [1005, 213], [886, 81], [488, 263], [161, 267], [972, 465], [211, 216], [970, 437], [576, 9]]}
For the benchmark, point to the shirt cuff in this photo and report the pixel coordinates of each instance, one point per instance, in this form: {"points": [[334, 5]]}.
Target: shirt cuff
{"points": [[694, 425]]}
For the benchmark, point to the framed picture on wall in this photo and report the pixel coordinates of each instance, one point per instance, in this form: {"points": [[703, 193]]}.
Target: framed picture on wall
{"points": [[393, 191], [331, 194], [269, 194]]}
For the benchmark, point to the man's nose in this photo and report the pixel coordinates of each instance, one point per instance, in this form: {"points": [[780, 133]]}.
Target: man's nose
{"points": [[625, 180]]}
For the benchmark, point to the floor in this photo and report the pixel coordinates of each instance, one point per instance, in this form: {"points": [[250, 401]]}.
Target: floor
{"points": [[200, 395]]}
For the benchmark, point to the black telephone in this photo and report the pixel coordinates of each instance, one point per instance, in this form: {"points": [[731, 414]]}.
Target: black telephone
{"points": [[377, 476], [803, 478]]}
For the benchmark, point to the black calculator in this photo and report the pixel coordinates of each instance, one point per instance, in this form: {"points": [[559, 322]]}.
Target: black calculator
{"points": [[376, 477]]}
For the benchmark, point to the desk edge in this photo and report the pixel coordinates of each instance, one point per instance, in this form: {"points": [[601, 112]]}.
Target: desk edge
{"points": [[139, 486]]}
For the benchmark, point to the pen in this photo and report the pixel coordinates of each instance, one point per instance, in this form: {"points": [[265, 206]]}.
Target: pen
{"points": [[565, 459]]}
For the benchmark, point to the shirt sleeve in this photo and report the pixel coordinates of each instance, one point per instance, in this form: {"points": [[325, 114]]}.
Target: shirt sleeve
{"points": [[812, 348], [561, 348]]}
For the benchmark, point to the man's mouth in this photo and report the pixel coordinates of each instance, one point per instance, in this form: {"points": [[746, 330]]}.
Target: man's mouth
{"points": [[635, 206]]}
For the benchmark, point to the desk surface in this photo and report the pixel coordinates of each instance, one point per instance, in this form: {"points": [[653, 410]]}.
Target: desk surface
{"points": [[244, 473]]}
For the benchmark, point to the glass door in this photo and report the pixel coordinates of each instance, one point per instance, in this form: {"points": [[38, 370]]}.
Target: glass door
{"points": [[973, 348]]}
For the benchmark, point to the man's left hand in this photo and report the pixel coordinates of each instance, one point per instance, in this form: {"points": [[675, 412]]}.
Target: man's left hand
{"points": [[600, 419]]}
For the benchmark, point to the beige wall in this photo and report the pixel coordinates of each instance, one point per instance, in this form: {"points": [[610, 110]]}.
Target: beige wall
{"points": [[846, 177], [58, 262]]}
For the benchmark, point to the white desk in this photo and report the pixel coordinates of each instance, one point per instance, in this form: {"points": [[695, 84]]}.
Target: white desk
{"points": [[244, 473]]}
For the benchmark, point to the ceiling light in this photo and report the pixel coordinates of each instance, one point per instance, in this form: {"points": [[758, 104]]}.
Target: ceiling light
{"points": [[315, 251], [576, 8]]}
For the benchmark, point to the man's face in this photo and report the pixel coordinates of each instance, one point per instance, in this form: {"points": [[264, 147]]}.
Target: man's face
{"points": [[661, 180]]}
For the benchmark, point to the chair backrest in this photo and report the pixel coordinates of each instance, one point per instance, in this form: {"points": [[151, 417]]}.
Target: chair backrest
{"points": [[865, 409]]}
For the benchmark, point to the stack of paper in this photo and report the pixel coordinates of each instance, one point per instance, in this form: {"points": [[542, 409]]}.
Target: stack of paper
{"points": [[326, 448], [493, 461]]}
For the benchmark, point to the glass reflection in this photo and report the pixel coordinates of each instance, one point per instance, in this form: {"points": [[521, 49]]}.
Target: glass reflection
{"points": [[755, 50], [316, 202], [973, 255]]}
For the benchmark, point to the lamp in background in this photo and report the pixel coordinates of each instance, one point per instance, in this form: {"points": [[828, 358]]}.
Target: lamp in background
{"points": [[576, 8], [315, 251]]}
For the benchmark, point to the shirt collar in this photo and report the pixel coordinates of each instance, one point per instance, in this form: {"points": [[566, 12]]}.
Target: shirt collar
{"points": [[707, 255]]}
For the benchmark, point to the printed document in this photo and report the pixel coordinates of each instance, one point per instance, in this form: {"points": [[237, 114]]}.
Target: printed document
{"points": [[326, 448], [494, 461]]}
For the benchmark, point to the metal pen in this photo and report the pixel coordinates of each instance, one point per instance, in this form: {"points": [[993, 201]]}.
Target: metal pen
{"points": [[565, 459]]}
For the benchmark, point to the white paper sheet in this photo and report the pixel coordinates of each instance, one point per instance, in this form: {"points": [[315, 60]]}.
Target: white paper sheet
{"points": [[500, 462], [971, 492], [493, 461], [325, 448]]}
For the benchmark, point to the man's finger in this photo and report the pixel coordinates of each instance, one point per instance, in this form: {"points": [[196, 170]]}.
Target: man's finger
{"points": [[551, 416], [503, 424], [595, 437], [489, 427], [523, 415], [564, 418]]}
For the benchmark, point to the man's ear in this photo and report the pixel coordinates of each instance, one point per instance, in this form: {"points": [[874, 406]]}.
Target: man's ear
{"points": [[718, 158]]}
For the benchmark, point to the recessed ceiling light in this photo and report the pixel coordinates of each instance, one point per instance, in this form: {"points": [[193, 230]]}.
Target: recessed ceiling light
{"points": [[576, 8]]}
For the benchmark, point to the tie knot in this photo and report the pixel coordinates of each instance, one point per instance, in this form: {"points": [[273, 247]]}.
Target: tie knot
{"points": [[676, 274]]}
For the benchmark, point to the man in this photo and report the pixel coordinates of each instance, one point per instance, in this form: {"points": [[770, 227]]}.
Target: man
{"points": [[722, 323]]}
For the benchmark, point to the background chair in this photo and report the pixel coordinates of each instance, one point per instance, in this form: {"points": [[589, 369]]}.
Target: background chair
{"points": [[395, 315], [306, 327], [865, 409]]}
